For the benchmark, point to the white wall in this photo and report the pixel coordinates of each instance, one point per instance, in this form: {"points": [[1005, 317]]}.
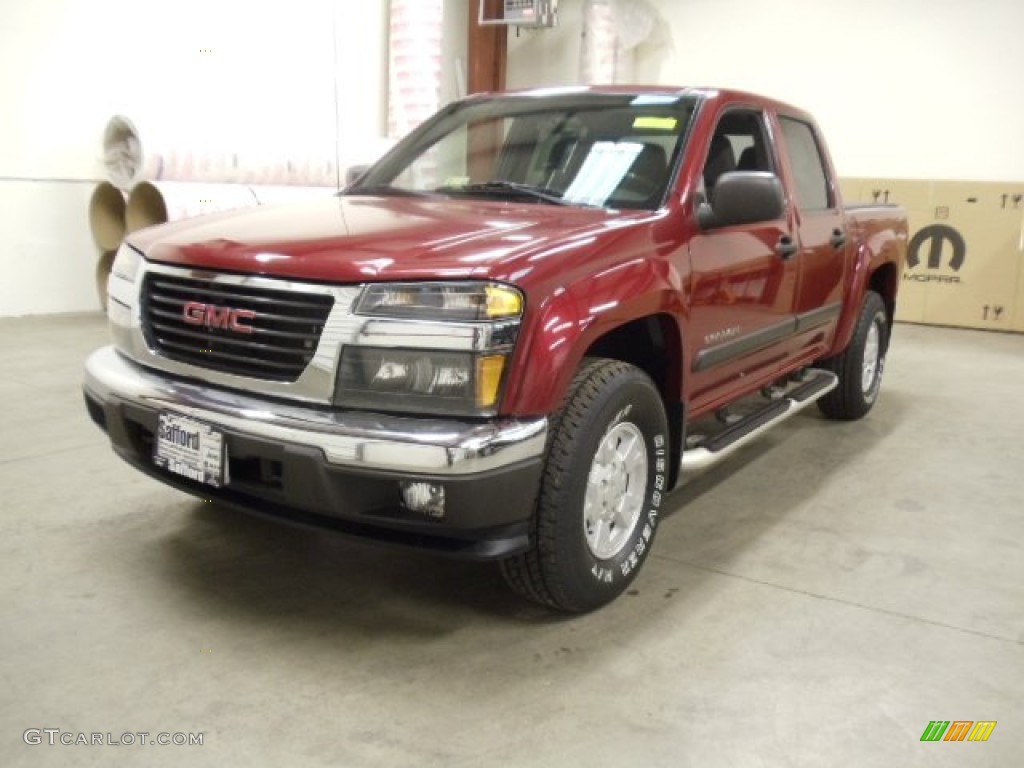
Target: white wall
{"points": [[213, 74], [906, 88], [539, 57], [454, 44]]}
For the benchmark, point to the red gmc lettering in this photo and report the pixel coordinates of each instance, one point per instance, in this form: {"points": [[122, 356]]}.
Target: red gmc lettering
{"points": [[218, 317], [212, 316], [194, 313], [237, 316]]}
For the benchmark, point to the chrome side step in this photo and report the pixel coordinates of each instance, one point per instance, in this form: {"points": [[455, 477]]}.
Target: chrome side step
{"points": [[752, 426]]}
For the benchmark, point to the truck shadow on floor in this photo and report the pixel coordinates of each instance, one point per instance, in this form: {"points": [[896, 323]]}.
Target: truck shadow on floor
{"points": [[230, 562]]}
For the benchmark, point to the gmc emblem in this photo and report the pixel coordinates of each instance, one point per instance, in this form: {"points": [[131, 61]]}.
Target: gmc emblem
{"points": [[197, 313]]}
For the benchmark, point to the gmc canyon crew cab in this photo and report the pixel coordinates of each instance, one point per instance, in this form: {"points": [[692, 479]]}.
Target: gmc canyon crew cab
{"points": [[511, 336]]}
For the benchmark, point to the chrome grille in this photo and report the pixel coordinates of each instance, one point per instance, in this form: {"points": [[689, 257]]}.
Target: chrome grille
{"points": [[286, 326]]}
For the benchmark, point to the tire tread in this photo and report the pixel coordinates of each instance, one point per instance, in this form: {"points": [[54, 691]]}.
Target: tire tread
{"points": [[846, 401], [533, 574]]}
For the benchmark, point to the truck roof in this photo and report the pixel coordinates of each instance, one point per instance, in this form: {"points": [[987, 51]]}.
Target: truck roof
{"points": [[709, 93]]}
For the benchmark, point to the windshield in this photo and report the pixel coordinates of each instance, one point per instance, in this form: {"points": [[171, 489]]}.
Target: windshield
{"points": [[586, 149]]}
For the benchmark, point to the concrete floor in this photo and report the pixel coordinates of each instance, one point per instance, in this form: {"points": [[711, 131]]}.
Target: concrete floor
{"points": [[815, 602]]}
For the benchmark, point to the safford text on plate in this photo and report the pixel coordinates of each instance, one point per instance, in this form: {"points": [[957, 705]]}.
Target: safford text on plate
{"points": [[189, 448]]}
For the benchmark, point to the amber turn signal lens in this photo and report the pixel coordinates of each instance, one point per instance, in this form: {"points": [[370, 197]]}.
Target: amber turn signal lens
{"points": [[488, 379], [503, 301]]}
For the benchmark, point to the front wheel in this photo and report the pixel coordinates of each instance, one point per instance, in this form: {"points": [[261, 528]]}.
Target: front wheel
{"points": [[860, 366], [602, 488]]}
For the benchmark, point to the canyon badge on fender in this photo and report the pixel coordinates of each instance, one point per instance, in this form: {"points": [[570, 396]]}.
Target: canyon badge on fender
{"points": [[722, 335]]}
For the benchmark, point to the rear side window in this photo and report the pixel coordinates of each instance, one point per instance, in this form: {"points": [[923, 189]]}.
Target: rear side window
{"points": [[808, 168]]}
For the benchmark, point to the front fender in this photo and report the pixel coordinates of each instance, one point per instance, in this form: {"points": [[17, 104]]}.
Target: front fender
{"points": [[568, 324]]}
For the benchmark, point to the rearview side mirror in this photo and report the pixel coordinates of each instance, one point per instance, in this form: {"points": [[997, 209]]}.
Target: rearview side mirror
{"points": [[743, 197]]}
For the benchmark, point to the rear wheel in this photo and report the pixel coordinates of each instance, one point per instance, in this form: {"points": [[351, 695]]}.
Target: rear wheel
{"points": [[860, 366], [602, 487]]}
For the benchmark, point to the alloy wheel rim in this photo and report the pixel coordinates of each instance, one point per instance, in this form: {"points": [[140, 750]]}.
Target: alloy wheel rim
{"points": [[616, 487], [872, 355]]}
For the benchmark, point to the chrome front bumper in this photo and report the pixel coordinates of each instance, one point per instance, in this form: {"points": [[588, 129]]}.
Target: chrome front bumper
{"points": [[363, 441]]}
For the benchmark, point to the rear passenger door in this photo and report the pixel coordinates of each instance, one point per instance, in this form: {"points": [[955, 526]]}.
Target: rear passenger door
{"points": [[741, 307], [819, 223]]}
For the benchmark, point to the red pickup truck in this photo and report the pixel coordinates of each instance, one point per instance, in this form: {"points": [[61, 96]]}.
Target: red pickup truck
{"points": [[512, 335]]}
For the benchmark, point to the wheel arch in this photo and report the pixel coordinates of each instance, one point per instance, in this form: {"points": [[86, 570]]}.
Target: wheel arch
{"points": [[883, 281], [654, 344], [872, 272]]}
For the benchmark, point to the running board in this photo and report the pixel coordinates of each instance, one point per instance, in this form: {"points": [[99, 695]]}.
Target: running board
{"points": [[752, 426]]}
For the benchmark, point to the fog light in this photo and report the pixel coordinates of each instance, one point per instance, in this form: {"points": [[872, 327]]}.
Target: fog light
{"points": [[426, 498]]}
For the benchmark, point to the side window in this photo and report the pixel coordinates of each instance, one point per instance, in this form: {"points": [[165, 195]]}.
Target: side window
{"points": [[738, 144], [808, 168]]}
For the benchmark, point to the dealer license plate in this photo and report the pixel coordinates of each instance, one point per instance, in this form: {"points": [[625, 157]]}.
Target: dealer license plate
{"points": [[189, 448]]}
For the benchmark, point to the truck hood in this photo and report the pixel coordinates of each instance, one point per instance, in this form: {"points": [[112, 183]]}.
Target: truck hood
{"points": [[356, 239]]}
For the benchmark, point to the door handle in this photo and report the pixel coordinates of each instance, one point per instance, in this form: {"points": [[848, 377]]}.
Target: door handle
{"points": [[838, 239], [786, 247]]}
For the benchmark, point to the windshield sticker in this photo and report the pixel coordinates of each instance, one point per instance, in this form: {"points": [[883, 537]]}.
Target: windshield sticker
{"points": [[656, 123], [603, 170]]}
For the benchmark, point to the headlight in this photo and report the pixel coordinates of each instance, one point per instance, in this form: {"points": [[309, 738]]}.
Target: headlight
{"points": [[437, 348], [441, 301], [420, 381]]}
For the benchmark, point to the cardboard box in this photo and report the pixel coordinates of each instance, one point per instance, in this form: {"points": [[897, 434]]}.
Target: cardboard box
{"points": [[1018, 308], [850, 190], [969, 256], [912, 194], [914, 290]]}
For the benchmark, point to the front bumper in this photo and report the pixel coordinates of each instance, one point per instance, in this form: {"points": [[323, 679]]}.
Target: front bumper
{"points": [[336, 469]]}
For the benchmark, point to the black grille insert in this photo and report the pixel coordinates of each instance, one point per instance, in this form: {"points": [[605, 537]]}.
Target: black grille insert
{"points": [[286, 325]]}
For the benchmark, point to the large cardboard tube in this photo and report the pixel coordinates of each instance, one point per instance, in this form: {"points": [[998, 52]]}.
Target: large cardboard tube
{"points": [[129, 159], [146, 207], [107, 216], [157, 202]]}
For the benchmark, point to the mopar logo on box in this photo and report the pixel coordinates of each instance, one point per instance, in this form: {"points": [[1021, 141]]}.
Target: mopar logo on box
{"points": [[936, 240]]}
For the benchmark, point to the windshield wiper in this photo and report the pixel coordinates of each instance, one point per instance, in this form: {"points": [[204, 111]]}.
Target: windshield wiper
{"points": [[514, 187], [387, 189]]}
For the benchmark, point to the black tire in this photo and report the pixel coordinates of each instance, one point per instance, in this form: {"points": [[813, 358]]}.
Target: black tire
{"points": [[853, 397], [614, 407]]}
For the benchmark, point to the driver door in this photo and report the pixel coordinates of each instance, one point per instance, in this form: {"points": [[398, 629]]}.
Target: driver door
{"points": [[743, 290]]}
